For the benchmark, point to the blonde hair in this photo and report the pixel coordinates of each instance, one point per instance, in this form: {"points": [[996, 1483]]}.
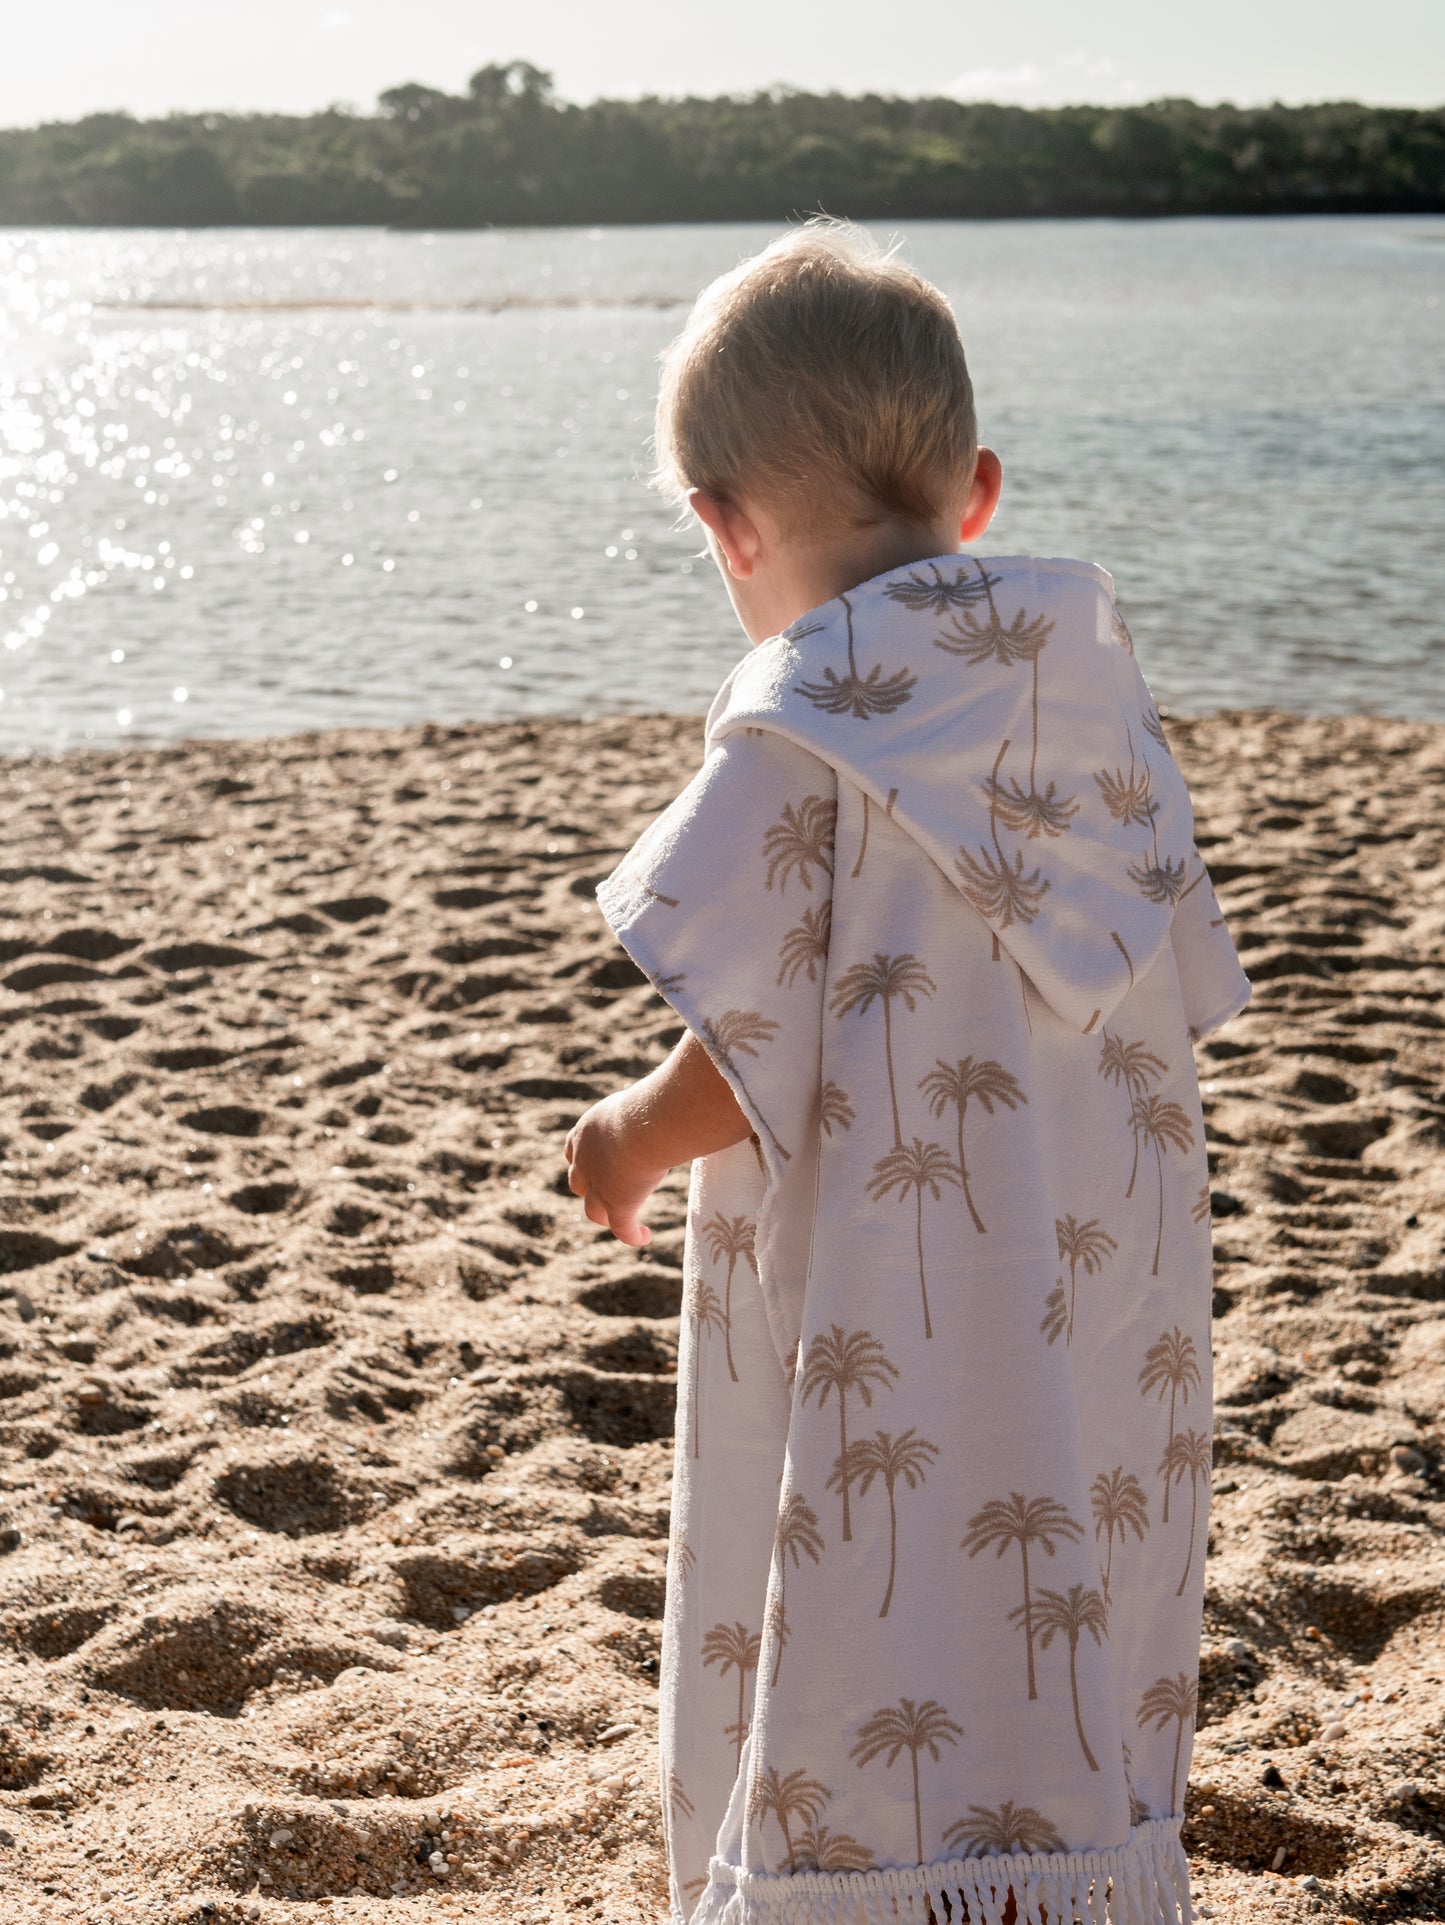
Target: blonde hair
{"points": [[821, 377]]}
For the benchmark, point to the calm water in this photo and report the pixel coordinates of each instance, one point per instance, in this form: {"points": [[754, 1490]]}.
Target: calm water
{"points": [[269, 506]]}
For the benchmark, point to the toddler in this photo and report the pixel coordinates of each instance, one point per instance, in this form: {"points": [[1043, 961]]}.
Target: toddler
{"points": [[933, 916]]}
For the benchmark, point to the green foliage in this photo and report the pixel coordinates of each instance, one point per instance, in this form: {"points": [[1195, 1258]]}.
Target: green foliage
{"points": [[509, 152]]}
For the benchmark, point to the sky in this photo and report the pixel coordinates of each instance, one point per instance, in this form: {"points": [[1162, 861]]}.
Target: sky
{"points": [[66, 58]]}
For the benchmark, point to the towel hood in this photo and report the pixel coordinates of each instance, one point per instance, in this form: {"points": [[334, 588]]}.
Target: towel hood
{"points": [[993, 708]]}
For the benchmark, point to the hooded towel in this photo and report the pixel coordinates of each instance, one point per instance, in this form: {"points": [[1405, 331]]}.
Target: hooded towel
{"points": [[934, 907]]}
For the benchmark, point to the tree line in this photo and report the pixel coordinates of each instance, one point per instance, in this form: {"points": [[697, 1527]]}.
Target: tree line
{"points": [[509, 152]]}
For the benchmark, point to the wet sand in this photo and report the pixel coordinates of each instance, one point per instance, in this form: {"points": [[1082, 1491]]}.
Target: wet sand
{"points": [[335, 1443]]}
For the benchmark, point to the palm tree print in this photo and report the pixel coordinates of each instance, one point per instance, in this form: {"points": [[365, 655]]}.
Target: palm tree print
{"points": [[834, 1109], [1120, 631], [1118, 942], [733, 1647], [1022, 1521], [1166, 1698], [987, 1833], [846, 1361], [707, 1315], [891, 1458], [1084, 1243], [786, 1800], [1138, 1810], [737, 1032], [923, 1167], [1119, 1504], [1188, 1455], [1160, 1125], [1199, 1209], [1128, 798], [1130, 1066], [939, 597], [1031, 811], [728, 1238], [1158, 878], [1081, 1610], [821, 1850], [684, 1560], [805, 947], [797, 1536], [776, 1627], [800, 841], [986, 1083], [1153, 726], [998, 888], [1161, 880], [1021, 640], [859, 695], [1171, 1364], [677, 1798], [908, 1727], [1055, 1320], [883, 980], [857, 868]]}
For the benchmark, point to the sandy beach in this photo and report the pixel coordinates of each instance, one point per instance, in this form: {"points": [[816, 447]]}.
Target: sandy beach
{"points": [[335, 1444]]}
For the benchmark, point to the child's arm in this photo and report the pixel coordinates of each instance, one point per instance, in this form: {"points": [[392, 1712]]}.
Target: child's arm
{"points": [[622, 1148]]}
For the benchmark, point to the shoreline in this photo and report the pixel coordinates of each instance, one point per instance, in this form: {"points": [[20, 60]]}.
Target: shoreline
{"points": [[335, 1443], [1249, 715]]}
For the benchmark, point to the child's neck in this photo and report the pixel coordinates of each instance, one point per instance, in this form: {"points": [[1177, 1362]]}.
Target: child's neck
{"points": [[820, 571]]}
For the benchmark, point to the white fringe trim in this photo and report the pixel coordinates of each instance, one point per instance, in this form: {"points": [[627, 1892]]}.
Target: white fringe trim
{"points": [[1142, 1882]]}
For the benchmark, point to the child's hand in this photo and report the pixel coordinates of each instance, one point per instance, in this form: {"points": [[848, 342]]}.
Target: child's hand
{"points": [[621, 1149], [608, 1170]]}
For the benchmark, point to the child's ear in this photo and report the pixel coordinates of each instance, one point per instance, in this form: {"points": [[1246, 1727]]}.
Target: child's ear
{"points": [[735, 532], [982, 496]]}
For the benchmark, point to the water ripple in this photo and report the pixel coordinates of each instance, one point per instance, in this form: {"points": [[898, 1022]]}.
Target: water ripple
{"points": [[259, 481]]}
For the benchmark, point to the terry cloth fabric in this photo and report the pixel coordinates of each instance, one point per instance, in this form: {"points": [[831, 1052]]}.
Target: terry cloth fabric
{"points": [[934, 906]]}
